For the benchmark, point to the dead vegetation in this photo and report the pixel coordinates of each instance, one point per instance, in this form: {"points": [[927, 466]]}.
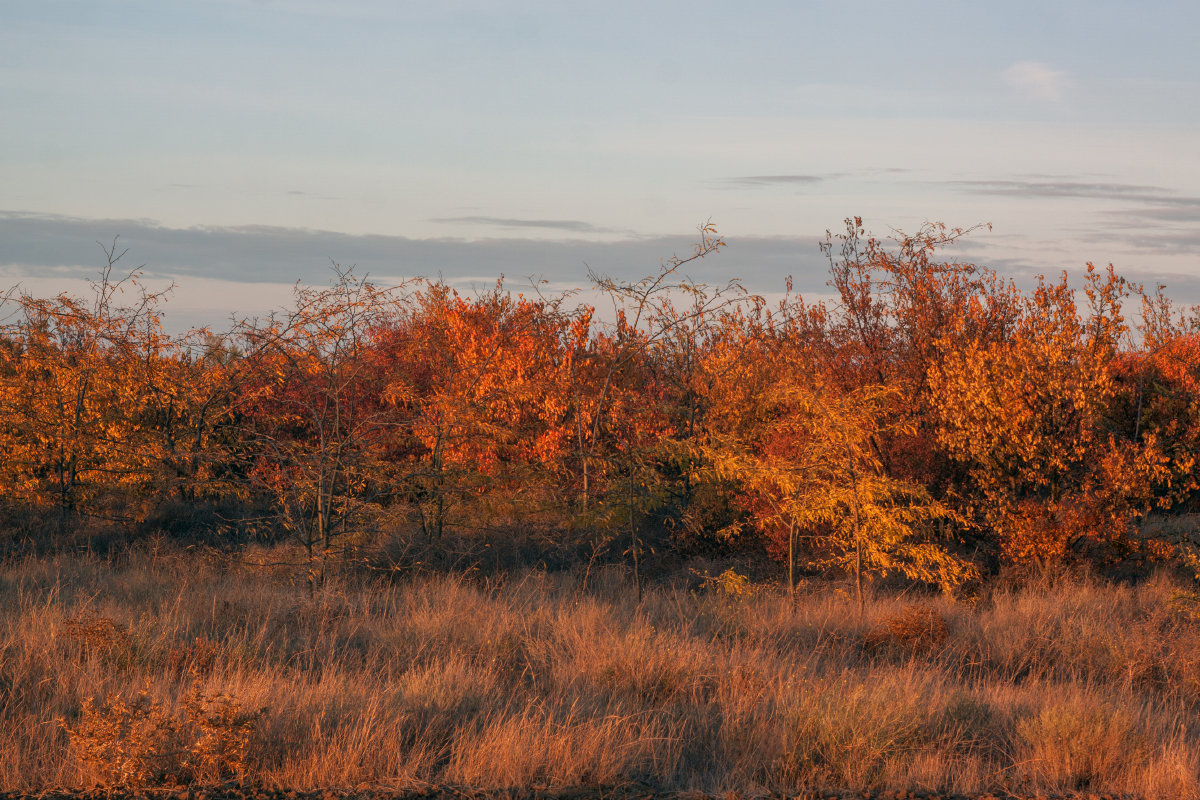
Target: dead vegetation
{"points": [[170, 669]]}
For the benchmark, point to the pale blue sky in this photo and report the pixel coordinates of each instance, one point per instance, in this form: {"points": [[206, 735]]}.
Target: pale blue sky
{"points": [[240, 146]]}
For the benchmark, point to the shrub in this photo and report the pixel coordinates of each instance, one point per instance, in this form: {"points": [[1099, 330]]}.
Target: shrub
{"points": [[126, 742], [914, 628], [141, 742], [96, 633]]}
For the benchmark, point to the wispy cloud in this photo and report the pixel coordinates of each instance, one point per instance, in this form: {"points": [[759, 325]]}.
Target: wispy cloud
{"points": [[751, 181], [310, 195], [1037, 80], [1168, 215], [571, 225], [1143, 193], [33, 244], [1146, 236]]}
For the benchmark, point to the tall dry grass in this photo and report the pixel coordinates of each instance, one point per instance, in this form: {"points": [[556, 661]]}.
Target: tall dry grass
{"points": [[1076, 685]]}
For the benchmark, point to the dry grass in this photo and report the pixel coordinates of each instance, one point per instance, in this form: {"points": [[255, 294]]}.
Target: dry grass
{"points": [[1076, 686]]}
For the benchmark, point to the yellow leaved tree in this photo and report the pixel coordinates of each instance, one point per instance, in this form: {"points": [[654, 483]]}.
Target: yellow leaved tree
{"points": [[804, 456]]}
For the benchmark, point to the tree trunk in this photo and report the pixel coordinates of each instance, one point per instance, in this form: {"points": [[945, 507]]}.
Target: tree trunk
{"points": [[858, 542], [312, 567], [858, 583], [584, 499], [792, 558], [634, 543]]}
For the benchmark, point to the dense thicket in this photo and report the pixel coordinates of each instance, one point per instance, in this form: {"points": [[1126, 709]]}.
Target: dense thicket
{"points": [[933, 420]]}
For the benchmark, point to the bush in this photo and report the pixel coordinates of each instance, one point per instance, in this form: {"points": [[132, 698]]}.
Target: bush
{"points": [[141, 742]]}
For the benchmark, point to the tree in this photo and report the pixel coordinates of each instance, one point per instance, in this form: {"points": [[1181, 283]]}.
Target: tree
{"points": [[476, 397], [192, 416], [73, 394], [309, 413], [620, 412], [900, 307], [1029, 414], [801, 452]]}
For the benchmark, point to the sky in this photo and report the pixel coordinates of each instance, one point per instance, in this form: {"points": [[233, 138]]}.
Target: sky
{"points": [[236, 147]]}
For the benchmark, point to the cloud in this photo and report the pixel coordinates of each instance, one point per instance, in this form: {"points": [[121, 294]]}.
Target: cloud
{"points": [[800, 180], [1037, 80], [777, 180], [36, 244], [1167, 215], [1159, 195], [302, 193], [1161, 241], [572, 225], [1159, 230], [54, 250]]}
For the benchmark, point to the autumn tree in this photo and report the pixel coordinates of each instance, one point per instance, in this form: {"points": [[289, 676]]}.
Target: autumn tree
{"points": [[618, 419], [626, 380], [900, 305], [643, 318], [1156, 407], [186, 434], [73, 393], [309, 413], [476, 398], [1028, 414], [800, 450]]}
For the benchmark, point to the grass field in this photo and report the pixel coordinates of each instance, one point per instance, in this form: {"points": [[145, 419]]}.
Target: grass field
{"points": [[169, 665]]}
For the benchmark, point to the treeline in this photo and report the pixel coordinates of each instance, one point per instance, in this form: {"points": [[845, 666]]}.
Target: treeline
{"points": [[933, 420]]}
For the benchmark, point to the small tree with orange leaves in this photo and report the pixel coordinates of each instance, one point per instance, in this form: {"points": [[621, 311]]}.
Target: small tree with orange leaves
{"points": [[1028, 414], [187, 419], [900, 306], [310, 415], [621, 409], [73, 397], [476, 397]]}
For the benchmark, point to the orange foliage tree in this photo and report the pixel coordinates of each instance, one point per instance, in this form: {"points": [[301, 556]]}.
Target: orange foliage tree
{"points": [[476, 396], [74, 391], [309, 414], [628, 382], [187, 418], [1027, 414], [899, 309]]}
